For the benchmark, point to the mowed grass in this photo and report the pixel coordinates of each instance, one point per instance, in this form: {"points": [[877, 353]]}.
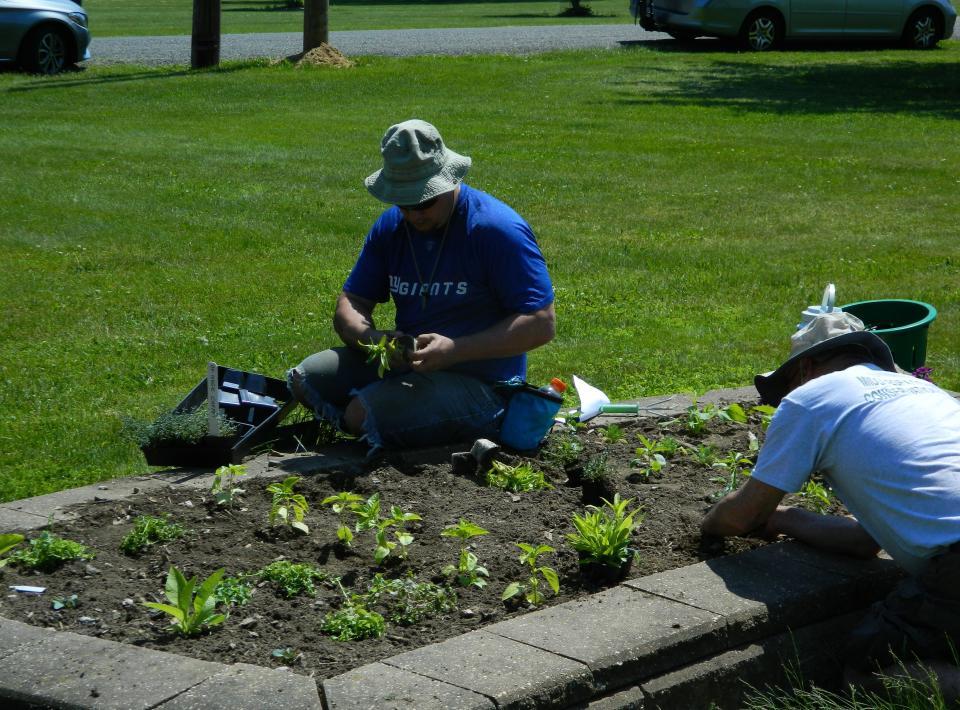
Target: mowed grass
{"points": [[689, 206], [175, 17]]}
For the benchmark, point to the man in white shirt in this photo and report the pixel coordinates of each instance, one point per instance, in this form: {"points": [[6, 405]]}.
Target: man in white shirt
{"points": [[889, 446]]}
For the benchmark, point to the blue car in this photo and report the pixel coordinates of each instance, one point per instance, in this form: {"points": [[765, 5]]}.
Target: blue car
{"points": [[43, 36], [761, 25]]}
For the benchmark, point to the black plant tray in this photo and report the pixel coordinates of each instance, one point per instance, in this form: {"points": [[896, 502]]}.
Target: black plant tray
{"points": [[220, 450]]}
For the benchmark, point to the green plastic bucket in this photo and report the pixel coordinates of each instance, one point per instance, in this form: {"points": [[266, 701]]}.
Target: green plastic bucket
{"points": [[902, 325]]}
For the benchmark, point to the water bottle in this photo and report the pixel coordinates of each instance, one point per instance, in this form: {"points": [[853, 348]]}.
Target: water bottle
{"points": [[556, 387]]}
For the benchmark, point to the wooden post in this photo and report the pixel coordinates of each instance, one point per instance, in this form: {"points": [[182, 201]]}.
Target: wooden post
{"points": [[205, 41], [316, 23]]}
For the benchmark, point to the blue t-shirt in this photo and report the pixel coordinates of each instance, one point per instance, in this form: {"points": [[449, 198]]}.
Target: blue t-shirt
{"points": [[488, 268]]}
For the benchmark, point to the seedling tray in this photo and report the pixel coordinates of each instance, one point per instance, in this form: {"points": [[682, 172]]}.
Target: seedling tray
{"points": [[220, 450]]}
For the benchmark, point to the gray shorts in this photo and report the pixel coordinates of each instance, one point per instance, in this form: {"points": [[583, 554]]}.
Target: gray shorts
{"points": [[404, 409], [920, 619]]}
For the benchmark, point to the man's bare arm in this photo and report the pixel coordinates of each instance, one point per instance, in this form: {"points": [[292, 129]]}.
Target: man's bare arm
{"points": [[827, 532], [353, 320], [516, 334], [743, 511]]}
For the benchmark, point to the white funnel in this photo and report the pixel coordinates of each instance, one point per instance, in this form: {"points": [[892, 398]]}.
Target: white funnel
{"points": [[591, 399]]}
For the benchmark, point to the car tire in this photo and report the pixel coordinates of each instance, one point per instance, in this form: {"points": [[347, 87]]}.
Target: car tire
{"points": [[46, 50], [762, 31], [923, 30]]}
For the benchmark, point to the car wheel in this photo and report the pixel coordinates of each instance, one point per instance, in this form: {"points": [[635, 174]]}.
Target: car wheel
{"points": [[683, 35], [922, 30], [762, 31], [45, 51]]}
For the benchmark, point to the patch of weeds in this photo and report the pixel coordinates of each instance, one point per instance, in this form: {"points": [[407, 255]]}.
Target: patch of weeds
{"points": [[411, 601], [292, 578], [149, 530], [517, 479], [47, 552], [705, 455]]}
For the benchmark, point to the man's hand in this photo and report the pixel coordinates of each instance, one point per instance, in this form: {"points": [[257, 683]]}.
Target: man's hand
{"points": [[434, 352]]}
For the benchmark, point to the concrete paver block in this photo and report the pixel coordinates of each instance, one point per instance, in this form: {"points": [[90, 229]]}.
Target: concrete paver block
{"points": [[247, 686], [384, 687], [623, 635], [512, 674], [13, 519], [56, 503], [15, 636], [69, 670]]}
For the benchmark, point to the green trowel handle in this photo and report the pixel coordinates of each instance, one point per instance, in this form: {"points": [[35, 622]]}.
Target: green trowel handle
{"points": [[619, 409]]}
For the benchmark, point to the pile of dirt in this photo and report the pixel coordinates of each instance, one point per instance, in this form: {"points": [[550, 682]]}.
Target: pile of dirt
{"points": [[582, 465], [324, 55]]}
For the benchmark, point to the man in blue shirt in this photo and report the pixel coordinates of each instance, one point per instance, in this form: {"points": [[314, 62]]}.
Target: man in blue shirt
{"points": [[470, 286]]}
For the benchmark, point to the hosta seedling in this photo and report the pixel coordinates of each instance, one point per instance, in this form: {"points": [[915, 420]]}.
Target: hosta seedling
{"points": [[530, 588], [193, 608], [224, 488], [47, 552], [149, 530], [603, 533], [288, 507], [516, 479]]}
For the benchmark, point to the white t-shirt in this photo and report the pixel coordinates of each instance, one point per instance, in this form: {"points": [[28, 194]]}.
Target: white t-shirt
{"points": [[887, 443]]}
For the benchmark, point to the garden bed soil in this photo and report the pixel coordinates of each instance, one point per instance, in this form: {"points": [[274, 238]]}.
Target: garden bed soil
{"points": [[112, 587]]}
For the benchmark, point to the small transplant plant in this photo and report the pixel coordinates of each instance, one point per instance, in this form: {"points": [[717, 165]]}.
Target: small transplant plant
{"points": [[403, 538], [603, 533], [353, 621], [149, 530], [516, 479], [764, 414], [8, 541], [233, 591], [409, 601], [341, 504], [287, 506], [817, 495], [468, 572], [562, 449], [612, 434], [47, 552], [595, 470], [293, 578], [368, 513], [530, 588], [287, 655], [193, 608], [224, 488], [382, 353], [71, 602]]}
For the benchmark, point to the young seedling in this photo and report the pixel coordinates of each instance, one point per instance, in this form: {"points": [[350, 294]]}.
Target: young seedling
{"points": [[288, 506], [47, 552], [292, 578], [233, 591], [341, 503], [764, 414], [403, 538], [817, 494], [71, 602], [531, 587], [736, 466], [149, 530], [8, 541], [595, 470], [603, 533], [411, 601], [563, 450], [705, 455], [193, 609], [468, 571], [382, 353], [517, 479], [224, 489], [288, 656], [612, 434], [354, 621], [368, 513], [735, 413]]}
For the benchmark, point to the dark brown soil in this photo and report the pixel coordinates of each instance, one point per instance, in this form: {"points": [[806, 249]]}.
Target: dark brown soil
{"points": [[112, 587]]}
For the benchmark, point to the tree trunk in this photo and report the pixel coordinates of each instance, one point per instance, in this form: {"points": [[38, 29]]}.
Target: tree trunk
{"points": [[316, 23], [205, 42]]}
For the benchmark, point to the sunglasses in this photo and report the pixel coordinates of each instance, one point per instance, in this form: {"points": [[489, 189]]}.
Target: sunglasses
{"points": [[425, 205]]}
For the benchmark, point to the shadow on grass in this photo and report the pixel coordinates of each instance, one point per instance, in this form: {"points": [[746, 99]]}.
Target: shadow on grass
{"points": [[73, 78], [907, 84]]}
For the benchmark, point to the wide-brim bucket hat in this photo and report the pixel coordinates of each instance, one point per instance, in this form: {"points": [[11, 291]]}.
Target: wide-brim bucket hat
{"points": [[828, 331], [417, 166]]}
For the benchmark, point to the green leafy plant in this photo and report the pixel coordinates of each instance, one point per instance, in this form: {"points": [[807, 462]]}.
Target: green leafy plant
{"points": [[149, 530], [382, 353], [736, 466], [233, 591], [531, 587], [403, 538], [411, 601], [176, 427], [595, 470], [519, 478], [562, 449], [288, 656], [603, 533], [224, 488], [817, 495], [612, 434], [47, 552], [735, 413], [293, 578], [368, 513], [353, 621], [193, 609], [8, 541], [287, 506], [764, 414], [468, 572], [705, 455], [71, 602], [341, 504]]}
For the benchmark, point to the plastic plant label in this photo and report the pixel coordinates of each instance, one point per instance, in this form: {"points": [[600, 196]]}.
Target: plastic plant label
{"points": [[27, 589]]}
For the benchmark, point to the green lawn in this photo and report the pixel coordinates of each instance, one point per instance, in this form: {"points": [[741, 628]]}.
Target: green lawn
{"points": [[689, 205], [174, 17]]}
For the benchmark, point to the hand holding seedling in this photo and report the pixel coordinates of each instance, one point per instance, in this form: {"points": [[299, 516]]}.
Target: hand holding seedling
{"points": [[434, 352]]}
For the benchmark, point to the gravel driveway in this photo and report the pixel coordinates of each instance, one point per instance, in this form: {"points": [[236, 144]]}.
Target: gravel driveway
{"points": [[156, 51]]}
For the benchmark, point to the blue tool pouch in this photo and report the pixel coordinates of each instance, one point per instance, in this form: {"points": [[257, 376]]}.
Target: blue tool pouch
{"points": [[529, 416]]}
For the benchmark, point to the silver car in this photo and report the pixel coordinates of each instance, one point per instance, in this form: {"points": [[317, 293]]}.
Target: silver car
{"points": [[761, 25], [43, 36]]}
